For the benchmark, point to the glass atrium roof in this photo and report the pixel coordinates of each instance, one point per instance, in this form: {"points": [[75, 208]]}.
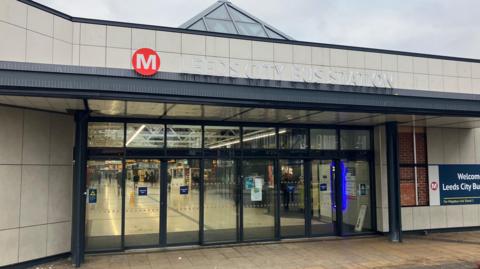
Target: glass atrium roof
{"points": [[225, 17]]}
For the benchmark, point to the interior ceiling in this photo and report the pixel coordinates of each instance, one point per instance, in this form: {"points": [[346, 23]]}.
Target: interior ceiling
{"points": [[117, 108], [50, 104]]}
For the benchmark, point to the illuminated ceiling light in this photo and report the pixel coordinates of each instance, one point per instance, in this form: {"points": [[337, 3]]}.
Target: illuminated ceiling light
{"points": [[136, 134]]}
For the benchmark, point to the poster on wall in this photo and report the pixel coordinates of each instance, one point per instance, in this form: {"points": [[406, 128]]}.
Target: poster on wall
{"points": [[249, 183], [256, 194], [256, 190], [454, 184], [351, 186]]}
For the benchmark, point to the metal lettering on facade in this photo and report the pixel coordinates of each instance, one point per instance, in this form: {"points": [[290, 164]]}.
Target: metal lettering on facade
{"points": [[288, 72]]}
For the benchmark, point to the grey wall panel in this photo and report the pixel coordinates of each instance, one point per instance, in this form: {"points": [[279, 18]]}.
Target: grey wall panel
{"points": [[36, 193]]}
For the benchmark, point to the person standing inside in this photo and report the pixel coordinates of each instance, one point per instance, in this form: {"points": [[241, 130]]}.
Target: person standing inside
{"points": [[136, 179]]}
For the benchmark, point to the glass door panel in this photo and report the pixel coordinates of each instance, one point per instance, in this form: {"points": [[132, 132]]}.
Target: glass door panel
{"points": [[220, 208], [142, 204], [292, 203], [357, 207], [258, 200], [322, 191], [183, 197], [103, 205]]}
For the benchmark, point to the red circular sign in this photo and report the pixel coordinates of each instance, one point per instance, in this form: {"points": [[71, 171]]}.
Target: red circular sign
{"points": [[146, 61], [434, 186]]}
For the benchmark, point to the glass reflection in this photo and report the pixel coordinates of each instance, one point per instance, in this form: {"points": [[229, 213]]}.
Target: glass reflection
{"points": [[220, 201], [142, 204], [145, 135], [355, 139], [259, 138], [183, 201], [105, 134], [293, 138], [357, 210], [103, 226], [258, 200], [222, 137], [221, 26], [322, 188], [325, 139], [292, 207]]}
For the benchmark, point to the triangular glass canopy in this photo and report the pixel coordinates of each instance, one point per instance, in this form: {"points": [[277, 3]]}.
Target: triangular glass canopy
{"points": [[224, 17]]}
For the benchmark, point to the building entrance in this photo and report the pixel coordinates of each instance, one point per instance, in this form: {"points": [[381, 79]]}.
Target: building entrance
{"points": [[322, 193], [142, 202], [223, 185]]}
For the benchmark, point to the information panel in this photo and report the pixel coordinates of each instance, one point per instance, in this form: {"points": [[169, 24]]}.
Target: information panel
{"points": [[454, 184]]}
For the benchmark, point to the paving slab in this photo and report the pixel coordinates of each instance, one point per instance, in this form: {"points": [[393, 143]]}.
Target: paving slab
{"points": [[368, 252]]}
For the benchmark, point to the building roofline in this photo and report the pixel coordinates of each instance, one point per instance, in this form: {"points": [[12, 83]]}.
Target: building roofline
{"points": [[235, 36]]}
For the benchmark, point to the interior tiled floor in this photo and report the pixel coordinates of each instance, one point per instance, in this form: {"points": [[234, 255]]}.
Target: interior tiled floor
{"points": [[368, 252]]}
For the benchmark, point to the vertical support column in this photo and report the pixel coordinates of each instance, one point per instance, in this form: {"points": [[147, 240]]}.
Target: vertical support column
{"points": [[239, 190], [123, 183], [277, 177], [239, 200], [339, 196], [163, 201], [308, 197], [79, 189], [201, 221], [393, 179]]}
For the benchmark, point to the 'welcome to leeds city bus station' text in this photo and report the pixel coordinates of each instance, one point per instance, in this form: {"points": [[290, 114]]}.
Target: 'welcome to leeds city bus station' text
{"points": [[464, 185]]}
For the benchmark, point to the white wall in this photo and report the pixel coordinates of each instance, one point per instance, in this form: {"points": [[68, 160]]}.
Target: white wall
{"points": [[447, 146], [381, 191], [39, 37], [36, 150]]}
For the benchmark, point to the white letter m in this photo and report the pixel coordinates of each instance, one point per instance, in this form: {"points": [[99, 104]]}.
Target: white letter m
{"points": [[151, 63]]}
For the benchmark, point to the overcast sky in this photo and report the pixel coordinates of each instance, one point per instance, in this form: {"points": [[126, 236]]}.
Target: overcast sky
{"points": [[445, 27]]}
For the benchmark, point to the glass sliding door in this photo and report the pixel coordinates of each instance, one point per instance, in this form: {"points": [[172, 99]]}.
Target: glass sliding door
{"points": [[142, 203], [323, 213], [258, 200], [183, 201], [292, 201], [103, 228], [357, 208], [255, 183], [220, 196]]}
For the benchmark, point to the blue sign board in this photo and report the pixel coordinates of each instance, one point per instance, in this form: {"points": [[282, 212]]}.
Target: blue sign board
{"points": [[291, 188], [459, 184], [184, 190], [92, 196], [142, 191], [323, 187]]}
